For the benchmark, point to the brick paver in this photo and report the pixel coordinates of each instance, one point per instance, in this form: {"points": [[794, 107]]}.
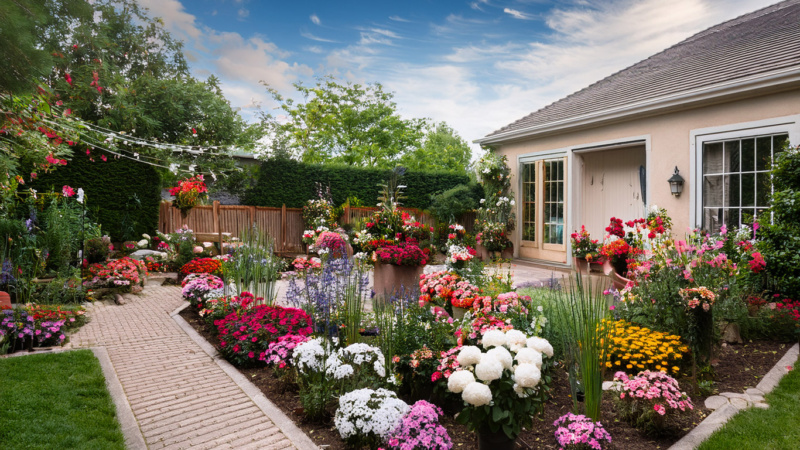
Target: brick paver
{"points": [[179, 395]]}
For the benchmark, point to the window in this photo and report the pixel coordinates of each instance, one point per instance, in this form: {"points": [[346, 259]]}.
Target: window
{"points": [[529, 202], [736, 184]]}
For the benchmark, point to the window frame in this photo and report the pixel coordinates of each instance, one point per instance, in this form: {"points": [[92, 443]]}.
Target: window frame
{"points": [[698, 138]]}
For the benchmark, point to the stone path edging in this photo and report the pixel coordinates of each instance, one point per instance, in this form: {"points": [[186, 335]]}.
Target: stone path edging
{"points": [[727, 404], [286, 425], [134, 439]]}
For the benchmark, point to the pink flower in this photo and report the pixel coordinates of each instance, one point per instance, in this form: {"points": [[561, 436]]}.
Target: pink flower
{"points": [[67, 191]]}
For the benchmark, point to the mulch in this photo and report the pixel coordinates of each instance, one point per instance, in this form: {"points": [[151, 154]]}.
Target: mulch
{"points": [[736, 367]]}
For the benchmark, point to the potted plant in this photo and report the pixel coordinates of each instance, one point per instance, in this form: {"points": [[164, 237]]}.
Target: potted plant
{"points": [[188, 194], [398, 266], [585, 250]]}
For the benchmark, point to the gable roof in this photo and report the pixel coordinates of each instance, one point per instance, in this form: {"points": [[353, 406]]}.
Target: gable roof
{"points": [[762, 45]]}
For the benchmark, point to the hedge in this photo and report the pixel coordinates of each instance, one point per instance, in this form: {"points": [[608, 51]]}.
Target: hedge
{"points": [[289, 182], [123, 196]]}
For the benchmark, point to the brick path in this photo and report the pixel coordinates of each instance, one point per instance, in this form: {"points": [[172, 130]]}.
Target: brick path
{"points": [[180, 397]]}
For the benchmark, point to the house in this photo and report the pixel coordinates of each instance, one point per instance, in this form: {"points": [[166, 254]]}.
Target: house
{"points": [[716, 107]]}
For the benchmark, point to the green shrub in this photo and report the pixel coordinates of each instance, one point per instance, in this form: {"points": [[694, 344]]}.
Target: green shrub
{"points": [[123, 196], [448, 206], [284, 181], [779, 241]]}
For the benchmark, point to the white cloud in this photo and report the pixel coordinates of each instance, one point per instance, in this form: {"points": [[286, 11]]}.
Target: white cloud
{"points": [[517, 14], [243, 13], [398, 19], [315, 19], [308, 35]]}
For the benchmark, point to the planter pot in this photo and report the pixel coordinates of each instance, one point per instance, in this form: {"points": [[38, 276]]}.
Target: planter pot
{"points": [[488, 440], [5, 300], [482, 253], [508, 253], [580, 265], [458, 313], [618, 281], [608, 269], [391, 279]]}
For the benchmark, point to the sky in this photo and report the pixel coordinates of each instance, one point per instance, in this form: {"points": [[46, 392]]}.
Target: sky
{"points": [[476, 64]]}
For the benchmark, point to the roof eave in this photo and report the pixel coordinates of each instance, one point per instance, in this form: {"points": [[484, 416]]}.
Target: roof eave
{"points": [[680, 100]]}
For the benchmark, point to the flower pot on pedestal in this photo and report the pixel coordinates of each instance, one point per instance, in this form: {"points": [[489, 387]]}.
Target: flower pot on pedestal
{"points": [[389, 279]]}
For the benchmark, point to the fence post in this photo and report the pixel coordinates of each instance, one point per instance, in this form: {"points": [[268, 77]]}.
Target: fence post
{"points": [[347, 213], [252, 211], [283, 228]]}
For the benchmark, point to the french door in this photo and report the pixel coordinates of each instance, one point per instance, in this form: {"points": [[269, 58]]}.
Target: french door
{"points": [[544, 206]]}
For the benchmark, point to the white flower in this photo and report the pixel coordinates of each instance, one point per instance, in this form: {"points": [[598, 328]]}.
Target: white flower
{"points": [[513, 202], [309, 356], [459, 380], [540, 308], [146, 236], [541, 345], [477, 394], [483, 200], [494, 338], [142, 243], [489, 369], [520, 391], [469, 355], [515, 339], [365, 412], [501, 355], [80, 195], [343, 371], [529, 356], [527, 375]]}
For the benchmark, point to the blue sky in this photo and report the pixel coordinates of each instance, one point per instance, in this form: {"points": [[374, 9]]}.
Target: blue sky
{"points": [[478, 65]]}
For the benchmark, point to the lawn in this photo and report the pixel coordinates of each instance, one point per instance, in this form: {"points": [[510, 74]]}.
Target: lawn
{"points": [[775, 428], [56, 400]]}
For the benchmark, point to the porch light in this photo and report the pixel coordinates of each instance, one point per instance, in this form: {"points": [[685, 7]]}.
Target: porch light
{"points": [[676, 183]]}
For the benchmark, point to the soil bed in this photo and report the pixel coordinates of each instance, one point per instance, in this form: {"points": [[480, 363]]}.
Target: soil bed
{"points": [[737, 368]]}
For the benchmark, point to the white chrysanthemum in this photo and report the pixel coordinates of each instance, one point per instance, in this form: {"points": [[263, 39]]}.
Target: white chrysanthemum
{"points": [[365, 412], [343, 371], [529, 356], [489, 369], [541, 345], [515, 340], [527, 375], [503, 356], [477, 394], [469, 355], [309, 356], [494, 338], [459, 380]]}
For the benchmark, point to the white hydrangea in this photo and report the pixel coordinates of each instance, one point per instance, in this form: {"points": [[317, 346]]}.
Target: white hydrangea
{"points": [[367, 411], [515, 340], [529, 356], [503, 356], [309, 356], [459, 380], [489, 369], [477, 394], [494, 338], [527, 375], [520, 391], [541, 345], [469, 355]]}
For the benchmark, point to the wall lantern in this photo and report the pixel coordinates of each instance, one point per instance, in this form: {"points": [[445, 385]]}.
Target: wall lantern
{"points": [[676, 183]]}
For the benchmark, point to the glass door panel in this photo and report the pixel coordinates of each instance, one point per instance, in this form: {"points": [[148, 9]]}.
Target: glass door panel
{"points": [[554, 202], [529, 202]]}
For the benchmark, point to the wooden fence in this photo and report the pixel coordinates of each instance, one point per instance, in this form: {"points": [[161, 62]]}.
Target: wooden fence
{"points": [[284, 225]]}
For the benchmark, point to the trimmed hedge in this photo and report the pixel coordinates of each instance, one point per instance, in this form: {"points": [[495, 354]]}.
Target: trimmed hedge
{"points": [[123, 196], [289, 182]]}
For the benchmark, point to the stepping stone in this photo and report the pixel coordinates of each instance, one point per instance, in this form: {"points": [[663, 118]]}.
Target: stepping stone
{"points": [[761, 405], [716, 402], [754, 391], [740, 403], [734, 395]]}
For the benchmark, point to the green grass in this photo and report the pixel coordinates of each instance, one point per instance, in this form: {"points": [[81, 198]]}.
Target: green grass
{"points": [[56, 400], [765, 429]]}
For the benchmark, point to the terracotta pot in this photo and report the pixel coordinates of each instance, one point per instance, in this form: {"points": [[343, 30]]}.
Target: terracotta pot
{"points": [[482, 253], [488, 440], [619, 281], [5, 300], [608, 268], [580, 265], [389, 279], [508, 253]]}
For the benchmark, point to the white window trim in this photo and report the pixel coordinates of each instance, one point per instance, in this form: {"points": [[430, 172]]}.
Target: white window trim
{"points": [[697, 137]]}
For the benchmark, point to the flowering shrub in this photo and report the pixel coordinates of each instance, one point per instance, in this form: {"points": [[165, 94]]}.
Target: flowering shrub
{"points": [[508, 303], [634, 348], [201, 287], [403, 254], [649, 399], [700, 296], [302, 263], [122, 273], [366, 417], [332, 242], [155, 266], [583, 246], [218, 308], [507, 376], [414, 229], [420, 429], [787, 317], [202, 265], [318, 213], [579, 431], [245, 334], [189, 192], [448, 363], [443, 287], [494, 236], [18, 325], [279, 353], [355, 366], [458, 255], [46, 313]]}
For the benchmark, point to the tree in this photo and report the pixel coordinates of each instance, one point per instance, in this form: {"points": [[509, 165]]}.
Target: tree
{"points": [[442, 149], [349, 123]]}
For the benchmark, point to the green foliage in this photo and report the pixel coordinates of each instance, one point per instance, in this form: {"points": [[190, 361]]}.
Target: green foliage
{"points": [[779, 242], [289, 182], [351, 124], [448, 206], [123, 196], [66, 393], [443, 149]]}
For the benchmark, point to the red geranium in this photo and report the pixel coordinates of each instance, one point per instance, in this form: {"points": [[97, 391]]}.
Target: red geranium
{"points": [[403, 254], [202, 265]]}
